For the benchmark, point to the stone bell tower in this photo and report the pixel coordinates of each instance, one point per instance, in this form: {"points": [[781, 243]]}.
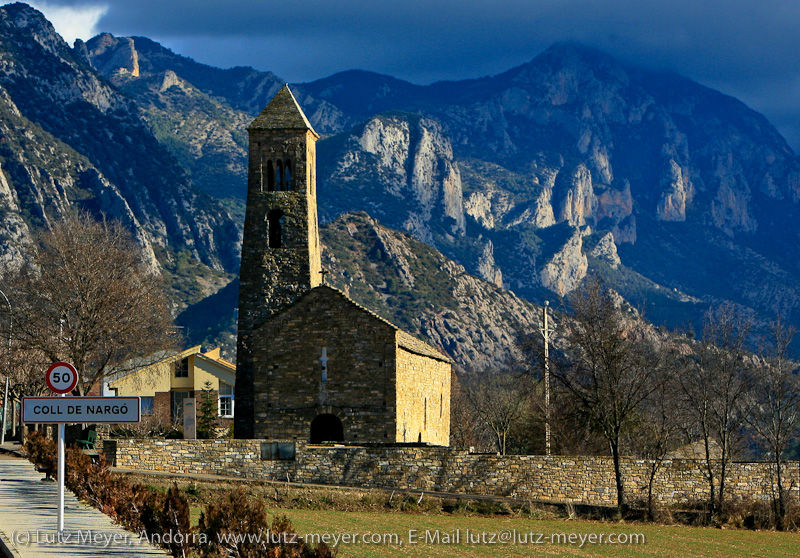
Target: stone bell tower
{"points": [[280, 248]]}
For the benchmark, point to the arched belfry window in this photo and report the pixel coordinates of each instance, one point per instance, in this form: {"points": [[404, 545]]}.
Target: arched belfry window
{"points": [[270, 177], [275, 219], [287, 176], [278, 176]]}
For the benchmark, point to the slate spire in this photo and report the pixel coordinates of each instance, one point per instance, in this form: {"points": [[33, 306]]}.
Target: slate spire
{"points": [[282, 112]]}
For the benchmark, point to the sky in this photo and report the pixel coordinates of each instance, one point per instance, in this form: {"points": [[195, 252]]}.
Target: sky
{"points": [[745, 48]]}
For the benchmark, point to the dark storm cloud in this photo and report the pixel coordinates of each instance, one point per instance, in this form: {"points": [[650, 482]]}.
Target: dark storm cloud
{"points": [[743, 47]]}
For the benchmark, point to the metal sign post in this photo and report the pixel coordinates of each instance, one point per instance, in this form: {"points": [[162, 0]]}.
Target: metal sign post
{"points": [[61, 459], [62, 378]]}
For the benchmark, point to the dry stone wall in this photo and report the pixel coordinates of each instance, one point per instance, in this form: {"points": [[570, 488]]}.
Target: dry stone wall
{"points": [[587, 480]]}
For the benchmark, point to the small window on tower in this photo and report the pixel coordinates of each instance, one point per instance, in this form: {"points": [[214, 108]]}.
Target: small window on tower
{"points": [[276, 220], [278, 176], [287, 176], [270, 177]]}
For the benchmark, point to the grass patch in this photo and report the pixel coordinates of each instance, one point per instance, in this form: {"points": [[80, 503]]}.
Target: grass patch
{"points": [[660, 541], [361, 511]]}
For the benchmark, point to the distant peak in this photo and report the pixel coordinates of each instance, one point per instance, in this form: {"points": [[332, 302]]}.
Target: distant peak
{"points": [[25, 15], [577, 51], [18, 7]]}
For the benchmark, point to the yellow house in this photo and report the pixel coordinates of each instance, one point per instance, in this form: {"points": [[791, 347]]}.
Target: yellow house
{"points": [[164, 385]]}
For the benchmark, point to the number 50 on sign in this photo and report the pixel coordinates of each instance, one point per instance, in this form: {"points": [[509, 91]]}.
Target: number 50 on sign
{"points": [[61, 377]]}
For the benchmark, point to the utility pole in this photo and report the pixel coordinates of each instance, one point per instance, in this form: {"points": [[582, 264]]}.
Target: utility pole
{"points": [[8, 372], [545, 328]]}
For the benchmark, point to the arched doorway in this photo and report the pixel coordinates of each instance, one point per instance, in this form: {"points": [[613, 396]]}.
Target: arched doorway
{"points": [[326, 428]]}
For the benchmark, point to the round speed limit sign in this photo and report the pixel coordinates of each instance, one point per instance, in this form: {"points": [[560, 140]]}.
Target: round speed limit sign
{"points": [[61, 377]]}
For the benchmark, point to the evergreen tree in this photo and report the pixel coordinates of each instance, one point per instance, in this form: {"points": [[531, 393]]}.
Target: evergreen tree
{"points": [[207, 419]]}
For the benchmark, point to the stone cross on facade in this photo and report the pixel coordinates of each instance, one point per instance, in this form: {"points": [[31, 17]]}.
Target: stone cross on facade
{"points": [[324, 360], [323, 384]]}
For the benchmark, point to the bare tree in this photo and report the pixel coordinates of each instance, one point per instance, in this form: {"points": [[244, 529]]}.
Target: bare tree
{"points": [[498, 398], [84, 295], [572, 432], [657, 431], [609, 367], [775, 415], [715, 385], [465, 431], [25, 371]]}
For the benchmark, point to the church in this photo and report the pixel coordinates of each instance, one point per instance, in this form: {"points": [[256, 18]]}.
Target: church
{"points": [[313, 365]]}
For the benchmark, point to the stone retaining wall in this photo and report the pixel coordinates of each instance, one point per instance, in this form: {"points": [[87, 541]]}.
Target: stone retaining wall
{"points": [[587, 480]]}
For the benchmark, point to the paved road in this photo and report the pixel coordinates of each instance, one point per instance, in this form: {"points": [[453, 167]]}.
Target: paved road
{"points": [[28, 517]]}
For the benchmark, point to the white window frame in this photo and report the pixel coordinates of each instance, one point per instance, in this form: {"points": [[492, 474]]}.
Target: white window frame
{"points": [[223, 394]]}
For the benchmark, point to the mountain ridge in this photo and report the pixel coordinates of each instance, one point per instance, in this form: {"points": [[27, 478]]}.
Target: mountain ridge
{"points": [[574, 137], [79, 144], [533, 178]]}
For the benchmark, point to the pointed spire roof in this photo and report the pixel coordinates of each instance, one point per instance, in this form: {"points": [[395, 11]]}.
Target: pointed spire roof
{"points": [[282, 112]]}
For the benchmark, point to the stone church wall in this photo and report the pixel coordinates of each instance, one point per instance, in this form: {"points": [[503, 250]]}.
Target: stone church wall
{"points": [[587, 480], [423, 399], [359, 389]]}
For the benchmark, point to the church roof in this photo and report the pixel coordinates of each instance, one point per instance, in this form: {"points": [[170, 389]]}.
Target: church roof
{"points": [[417, 346], [282, 113], [403, 339]]}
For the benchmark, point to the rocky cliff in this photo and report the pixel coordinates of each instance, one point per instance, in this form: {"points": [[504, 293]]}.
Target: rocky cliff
{"points": [[533, 178], [399, 168], [70, 140], [682, 183]]}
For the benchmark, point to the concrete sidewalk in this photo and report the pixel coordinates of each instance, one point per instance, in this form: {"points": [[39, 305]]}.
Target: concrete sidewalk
{"points": [[28, 517]]}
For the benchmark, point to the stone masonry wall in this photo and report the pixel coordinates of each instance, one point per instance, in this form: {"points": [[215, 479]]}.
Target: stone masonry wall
{"points": [[359, 387], [588, 480], [273, 277], [423, 399]]}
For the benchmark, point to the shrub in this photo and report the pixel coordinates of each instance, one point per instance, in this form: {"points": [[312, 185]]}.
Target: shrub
{"points": [[758, 515], [175, 521], [234, 514], [143, 512], [138, 507], [41, 451], [144, 508], [238, 526]]}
